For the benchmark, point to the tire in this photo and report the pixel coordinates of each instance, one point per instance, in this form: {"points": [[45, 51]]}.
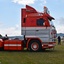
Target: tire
{"points": [[34, 45]]}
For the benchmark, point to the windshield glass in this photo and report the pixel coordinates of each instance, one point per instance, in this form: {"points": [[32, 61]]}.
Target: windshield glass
{"points": [[51, 23]]}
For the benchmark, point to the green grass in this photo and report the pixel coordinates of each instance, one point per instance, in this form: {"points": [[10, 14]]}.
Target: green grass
{"points": [[55, 56]]}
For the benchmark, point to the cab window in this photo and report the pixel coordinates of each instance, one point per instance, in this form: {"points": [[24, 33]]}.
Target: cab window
{"points": [[40, 22]]}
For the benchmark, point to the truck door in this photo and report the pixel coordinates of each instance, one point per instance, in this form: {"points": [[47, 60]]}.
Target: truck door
{"points": [[41, 31], [28, 29]]}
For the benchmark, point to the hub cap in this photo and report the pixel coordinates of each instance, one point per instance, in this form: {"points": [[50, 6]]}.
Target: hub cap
{"points": [[34, 46]]}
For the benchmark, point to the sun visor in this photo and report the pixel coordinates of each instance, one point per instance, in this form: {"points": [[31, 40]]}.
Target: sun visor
{"points": [[30, 9]]}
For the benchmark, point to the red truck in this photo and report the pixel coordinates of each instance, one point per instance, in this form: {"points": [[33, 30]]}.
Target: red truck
{"points": [[38, 32]]}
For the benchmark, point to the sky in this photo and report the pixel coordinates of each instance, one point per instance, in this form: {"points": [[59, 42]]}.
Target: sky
{"points": [[10, 14]]}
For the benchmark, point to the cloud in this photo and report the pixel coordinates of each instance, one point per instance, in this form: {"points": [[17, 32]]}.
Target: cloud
{"points": [[27, 2], [44, 1], [59, 23], [60, 29], [1, 24], [10, 31], [24, 2]]}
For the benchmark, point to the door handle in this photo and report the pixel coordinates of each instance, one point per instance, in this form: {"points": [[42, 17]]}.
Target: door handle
{"points": [[37, 30]]}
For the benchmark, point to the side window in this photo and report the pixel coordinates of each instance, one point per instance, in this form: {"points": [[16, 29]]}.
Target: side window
{"points": [[40, 22], [24, 20]]}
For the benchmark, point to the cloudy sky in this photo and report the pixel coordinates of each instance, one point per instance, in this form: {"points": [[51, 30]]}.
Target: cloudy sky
{"points": [[10, 14]]}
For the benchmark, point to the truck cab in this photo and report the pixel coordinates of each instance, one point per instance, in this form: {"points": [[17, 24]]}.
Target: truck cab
{"points": [[37, 26]]}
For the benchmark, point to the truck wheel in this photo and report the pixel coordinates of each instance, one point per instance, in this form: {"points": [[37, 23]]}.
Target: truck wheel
{"points": [[34, 45]]}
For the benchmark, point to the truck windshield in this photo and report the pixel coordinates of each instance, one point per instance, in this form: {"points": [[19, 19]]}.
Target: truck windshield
{"points": [[51, 23]]}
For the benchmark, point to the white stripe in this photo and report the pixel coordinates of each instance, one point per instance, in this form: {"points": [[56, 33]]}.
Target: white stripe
{"points": [[37, 36], [12, 44], [31, 36], [34, 28], [50, 45], [45, 36]]}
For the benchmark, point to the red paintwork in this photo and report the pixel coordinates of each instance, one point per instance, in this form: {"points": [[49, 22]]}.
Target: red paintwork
{"points": [[31, 15], [1, 44], [16, 42], [45, 46]]}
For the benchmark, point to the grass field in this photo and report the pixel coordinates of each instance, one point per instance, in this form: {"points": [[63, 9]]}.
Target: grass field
{"points": [[55, 56]]}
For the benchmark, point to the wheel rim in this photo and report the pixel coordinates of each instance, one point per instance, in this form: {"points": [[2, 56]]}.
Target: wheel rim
{"points": [[34, 46]]}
